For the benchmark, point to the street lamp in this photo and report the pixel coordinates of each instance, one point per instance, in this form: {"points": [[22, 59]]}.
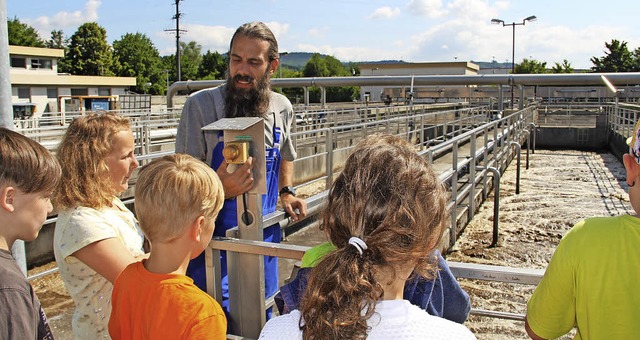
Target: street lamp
{"points": [[513, 42]]}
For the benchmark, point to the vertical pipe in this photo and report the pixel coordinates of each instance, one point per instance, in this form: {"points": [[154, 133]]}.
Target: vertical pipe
{"points": [[6, 109], [6, 112], [513, 60], [533, 131], [454, 194], [329, 165], [496, 204], [518, 151], [472, 177]]}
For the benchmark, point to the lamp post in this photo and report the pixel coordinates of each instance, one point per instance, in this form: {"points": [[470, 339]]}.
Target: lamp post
{"points": [[513, 42]]}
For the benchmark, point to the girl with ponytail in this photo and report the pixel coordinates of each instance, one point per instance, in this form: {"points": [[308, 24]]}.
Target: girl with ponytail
{"points": [[385, 214]]}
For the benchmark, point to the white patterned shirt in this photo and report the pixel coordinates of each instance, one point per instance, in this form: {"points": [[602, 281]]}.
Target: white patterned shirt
{"points": [[76, 228]]}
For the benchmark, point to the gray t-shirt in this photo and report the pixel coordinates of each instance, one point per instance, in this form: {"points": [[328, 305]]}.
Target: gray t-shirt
{"points": [[21, 315], [206, 106]]}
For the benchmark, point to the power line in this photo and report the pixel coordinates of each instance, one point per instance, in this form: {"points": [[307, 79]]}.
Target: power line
{"points": [[177, 32]]}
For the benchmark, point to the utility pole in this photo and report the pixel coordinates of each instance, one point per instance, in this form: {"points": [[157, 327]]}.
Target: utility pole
{"points": [[177, 32]]}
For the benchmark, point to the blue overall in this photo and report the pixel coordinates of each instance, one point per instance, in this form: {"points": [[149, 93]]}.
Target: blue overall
{"points": [[227, 219]]}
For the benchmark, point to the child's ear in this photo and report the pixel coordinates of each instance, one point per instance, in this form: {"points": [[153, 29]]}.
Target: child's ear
{"points": [[7, 195], [197, 228]]}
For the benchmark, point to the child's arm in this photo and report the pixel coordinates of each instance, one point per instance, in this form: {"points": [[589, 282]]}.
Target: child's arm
{"points": [[108, 257]]}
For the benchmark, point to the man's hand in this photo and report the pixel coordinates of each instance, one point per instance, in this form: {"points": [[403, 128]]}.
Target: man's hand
{"points": [[237, 182], [290, 203]]}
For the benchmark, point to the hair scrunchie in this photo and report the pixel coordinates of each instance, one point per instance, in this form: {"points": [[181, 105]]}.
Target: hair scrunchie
{"points": [[358, 243]]}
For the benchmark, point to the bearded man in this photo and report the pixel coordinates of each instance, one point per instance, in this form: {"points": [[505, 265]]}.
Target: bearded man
{"points": [[253, 58]]}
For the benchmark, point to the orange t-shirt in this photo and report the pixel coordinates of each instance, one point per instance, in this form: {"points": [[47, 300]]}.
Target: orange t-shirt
{"points": [[162, 306]]}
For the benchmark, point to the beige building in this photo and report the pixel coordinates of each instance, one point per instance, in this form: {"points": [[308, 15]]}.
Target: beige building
{"points": [[376, 93], [37, 87]]}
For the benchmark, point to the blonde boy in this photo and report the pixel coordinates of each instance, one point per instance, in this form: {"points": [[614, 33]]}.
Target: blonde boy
{"points": [[177, 200], [28, 176]]}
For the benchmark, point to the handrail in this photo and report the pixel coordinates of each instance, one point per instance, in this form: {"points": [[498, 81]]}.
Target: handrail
{"points": [[413, 80]]}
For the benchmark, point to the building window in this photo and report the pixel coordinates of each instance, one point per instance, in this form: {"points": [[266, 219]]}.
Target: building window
{"points": [[23, 93], [41, 63], [18, 62], [104, 91], [80, 92], [52, 92]]}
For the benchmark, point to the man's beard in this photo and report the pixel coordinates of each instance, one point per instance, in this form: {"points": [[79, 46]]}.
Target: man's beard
{"points": [[252, 102]]}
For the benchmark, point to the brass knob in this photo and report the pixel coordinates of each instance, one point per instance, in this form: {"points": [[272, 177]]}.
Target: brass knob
{"points": [[230, 152]]}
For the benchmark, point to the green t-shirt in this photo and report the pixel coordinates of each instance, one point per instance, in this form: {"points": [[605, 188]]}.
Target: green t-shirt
{"points": [[314, 255], [591, 282]]}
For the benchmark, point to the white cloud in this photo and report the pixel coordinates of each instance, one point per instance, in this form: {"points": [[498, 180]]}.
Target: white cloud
{"points": [[427, 8], [318, 33], [385, 12], [279, 29], [65, 20], [213, 38]]}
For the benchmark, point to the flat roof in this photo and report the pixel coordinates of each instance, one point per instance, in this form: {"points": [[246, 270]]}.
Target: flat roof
{"points": [[36, 51], [68, 80]]}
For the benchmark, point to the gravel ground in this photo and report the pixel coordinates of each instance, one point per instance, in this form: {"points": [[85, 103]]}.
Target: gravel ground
{"points": [[559, 189]]}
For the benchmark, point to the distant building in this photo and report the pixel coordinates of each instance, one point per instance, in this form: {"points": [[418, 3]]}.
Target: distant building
{"points": [[37, 87], [380, 93]]}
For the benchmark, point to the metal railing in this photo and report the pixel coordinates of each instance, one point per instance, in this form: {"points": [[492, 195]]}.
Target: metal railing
{"points": [[465, 173]]}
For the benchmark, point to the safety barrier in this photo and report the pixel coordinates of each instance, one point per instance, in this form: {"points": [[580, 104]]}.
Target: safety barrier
{"points": [[286, 251], [463, 175]]}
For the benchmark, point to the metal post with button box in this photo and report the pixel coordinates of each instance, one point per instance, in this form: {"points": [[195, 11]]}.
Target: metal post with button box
{"points": [[243, 138]]}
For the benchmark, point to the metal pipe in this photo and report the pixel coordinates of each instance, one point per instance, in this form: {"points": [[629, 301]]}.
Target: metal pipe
{"points": [[533, 131], [528, 146], [497, 314], [480, 79], [6, 109], [496, 202], [518, 147], [6, 113]]}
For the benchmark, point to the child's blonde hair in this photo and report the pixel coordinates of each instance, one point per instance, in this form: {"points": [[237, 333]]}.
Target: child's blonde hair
{"points": [[82, 154], [172, 192], [26, 164]]}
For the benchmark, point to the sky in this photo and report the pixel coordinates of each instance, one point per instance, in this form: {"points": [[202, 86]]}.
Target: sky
{"points": [[363, 30]]}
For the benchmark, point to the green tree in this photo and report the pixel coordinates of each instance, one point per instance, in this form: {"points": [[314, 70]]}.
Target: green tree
{"points": [[190, 60], [21, 34], [530, 66], [565, 67], [617, 59], [136, 56], [59, 41], [328, 66], [89, 53], [213, 66], [316, 67]]}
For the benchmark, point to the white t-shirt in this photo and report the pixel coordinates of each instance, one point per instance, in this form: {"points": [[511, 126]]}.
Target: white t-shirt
{"points": [[76, 228], [393, 319]]}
